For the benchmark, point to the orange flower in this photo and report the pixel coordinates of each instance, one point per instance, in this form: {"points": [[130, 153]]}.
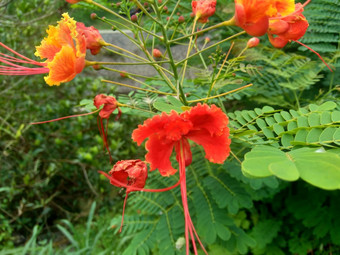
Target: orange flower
{"points": [[288, 28], [94, 41], [253, 15], [203, 9], [65, 49]]}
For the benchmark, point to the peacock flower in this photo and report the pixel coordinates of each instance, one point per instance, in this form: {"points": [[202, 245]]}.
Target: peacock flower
{"points": [[288, 28], [94, 41], [202, 124], [110, 105], [132, 173], [203, 9], [64, 50], [206, 126], [253, 15]]}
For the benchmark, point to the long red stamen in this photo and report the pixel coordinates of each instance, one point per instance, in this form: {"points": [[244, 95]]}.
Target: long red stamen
{"points": [[105, 138], [22, 56], [62, 118], [189, 227], [11, 68], [304, 45], [121, 224]]}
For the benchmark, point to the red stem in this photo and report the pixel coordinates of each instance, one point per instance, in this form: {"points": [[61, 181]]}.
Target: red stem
{"points": [[105, 138], [71, 116]]}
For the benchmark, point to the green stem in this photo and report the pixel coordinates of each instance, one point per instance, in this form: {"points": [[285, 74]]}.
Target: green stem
{"points": [[168, 49], [153, 89], [122, 54], [230, 22], [91, 63], [212, 46], [141, 7], [219, 71], [126, 51], [188, 53], [131, 74], [220, 95], [119, 16], [138, 88]]}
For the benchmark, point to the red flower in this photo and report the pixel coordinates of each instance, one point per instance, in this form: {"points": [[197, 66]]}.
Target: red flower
{"points": [[288, 28], [110, 104], [132, 173], [203, 9], [206, 126], [94, 41]]}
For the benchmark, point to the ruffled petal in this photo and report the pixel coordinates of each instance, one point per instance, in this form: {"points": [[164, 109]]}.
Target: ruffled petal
{"points": [[216, 147], [171, 127], [159, 152], [212, 118], [58, 36], [63, 68]]}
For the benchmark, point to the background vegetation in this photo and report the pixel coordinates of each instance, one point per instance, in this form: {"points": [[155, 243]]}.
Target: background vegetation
{"points": [[53, 201]]}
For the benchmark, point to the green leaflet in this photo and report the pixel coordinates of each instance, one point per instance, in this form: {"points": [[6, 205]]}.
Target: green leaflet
{"points": [[314, 165], [315, 125]]}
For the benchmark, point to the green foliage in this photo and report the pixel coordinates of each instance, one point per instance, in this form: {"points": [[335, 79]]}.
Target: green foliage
{"points": [[323, 32], [311, 126], [306, 163]]}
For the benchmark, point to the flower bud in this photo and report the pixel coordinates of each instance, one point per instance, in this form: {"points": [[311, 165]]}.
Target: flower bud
{"points": [[181, 19], [134, 18], [253, 42], [156, 53], [207, 39], [97, 67], [93, 16], [123, 74]]}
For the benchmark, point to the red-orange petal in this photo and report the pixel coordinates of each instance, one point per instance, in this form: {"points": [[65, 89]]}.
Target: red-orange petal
{"points": [[210, 118], [159, 152], [216, 147], [64, 66]]}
